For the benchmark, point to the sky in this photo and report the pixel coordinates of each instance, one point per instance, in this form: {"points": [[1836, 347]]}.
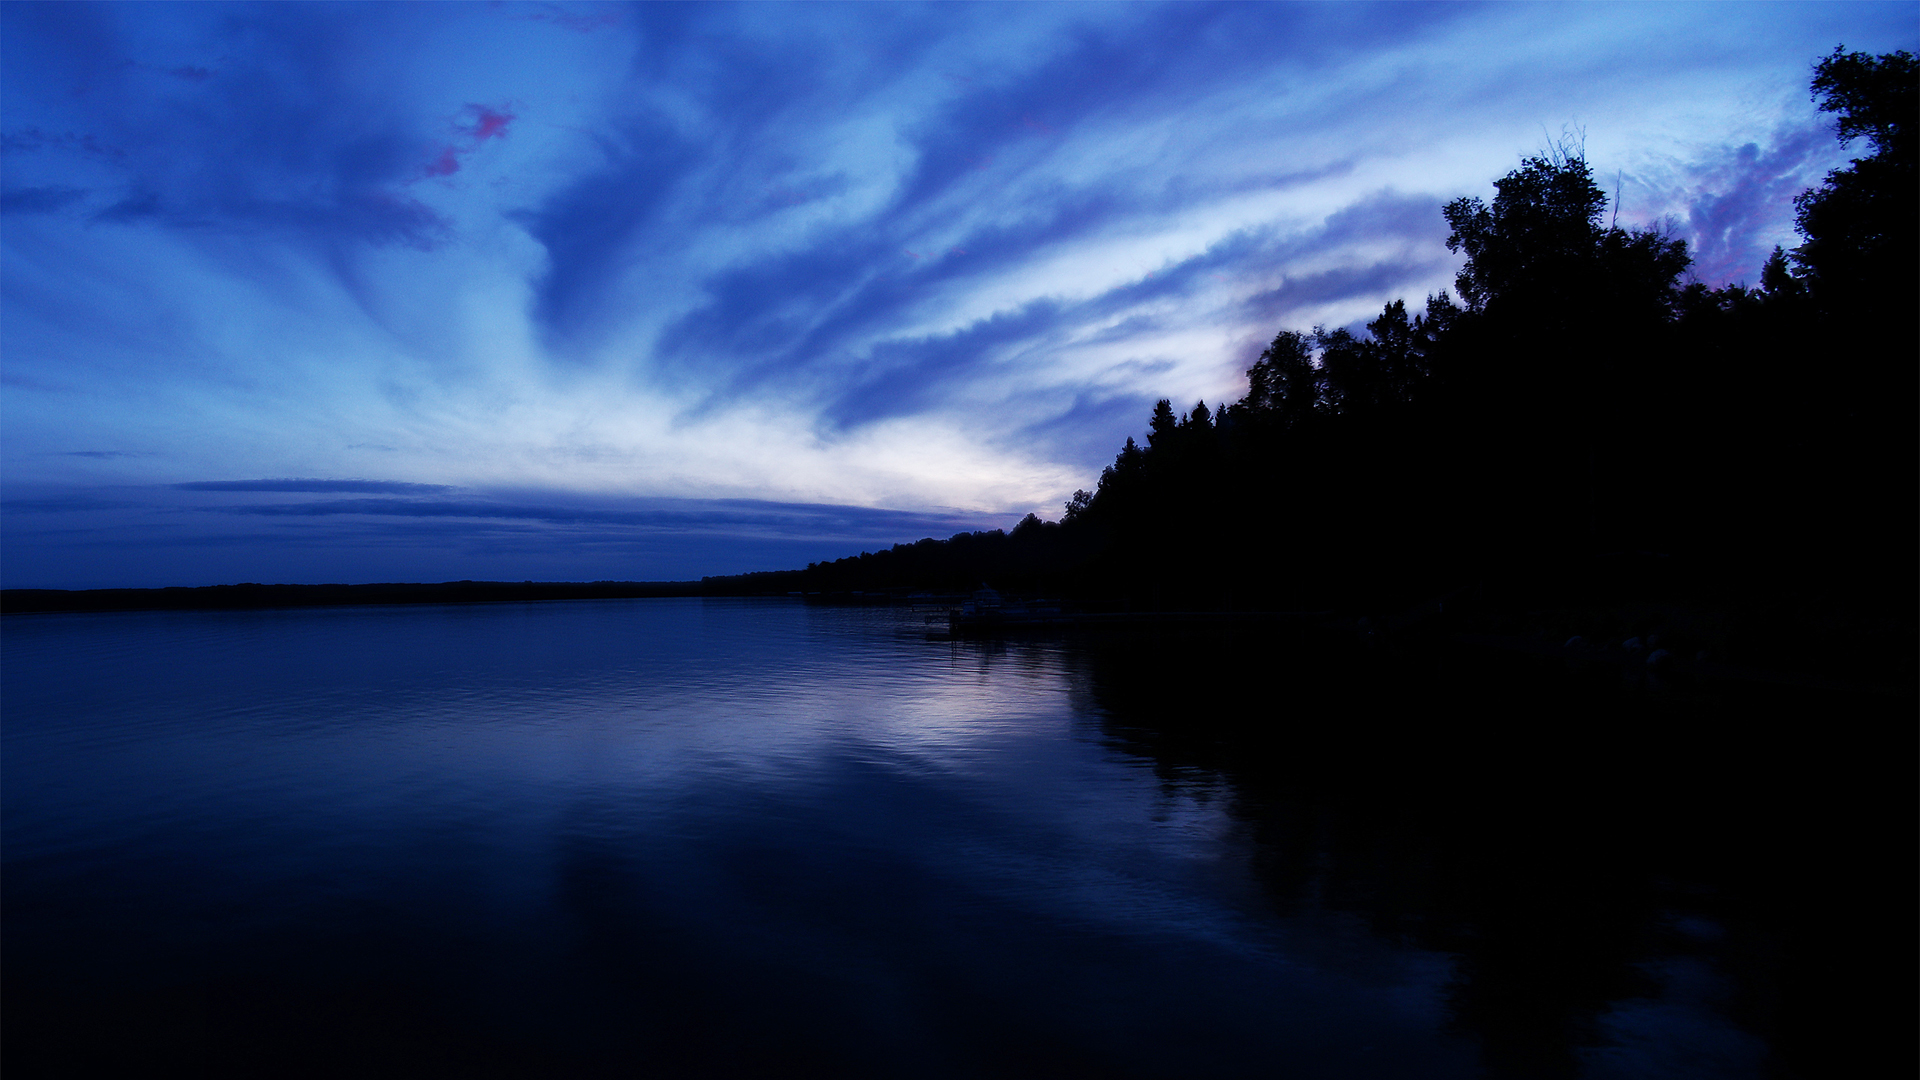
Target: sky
{"points": [[424, 292]]}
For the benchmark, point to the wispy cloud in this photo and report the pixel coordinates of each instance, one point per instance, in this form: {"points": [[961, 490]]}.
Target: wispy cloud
{"points": [[382, 487], [39, 200], [153, 537], [596, 19], [1732, 203]]}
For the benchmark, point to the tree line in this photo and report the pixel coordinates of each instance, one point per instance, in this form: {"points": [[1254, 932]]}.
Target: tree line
{"points": [[1574, 398]]}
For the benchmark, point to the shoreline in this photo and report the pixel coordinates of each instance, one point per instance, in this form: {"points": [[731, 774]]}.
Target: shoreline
{"points": [[252, 596], [1415, 629]]}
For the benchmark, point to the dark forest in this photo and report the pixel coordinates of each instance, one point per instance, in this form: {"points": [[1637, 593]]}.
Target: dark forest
{"points": [[1579, 417]]}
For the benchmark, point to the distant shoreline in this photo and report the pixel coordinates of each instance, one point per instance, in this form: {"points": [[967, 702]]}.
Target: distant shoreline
{"points": [[252, 596]]}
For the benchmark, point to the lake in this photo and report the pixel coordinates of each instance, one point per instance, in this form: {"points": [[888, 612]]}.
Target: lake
{"points": [[735, 837]]}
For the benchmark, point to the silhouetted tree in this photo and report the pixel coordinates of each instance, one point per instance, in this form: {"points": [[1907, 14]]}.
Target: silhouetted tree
{"points": [[1397, 351], [1348, 369], [1860, 223], [1077, 505], [1161, 426], [1539, 233], [1284, 382], [1859, 227], [1777, 278]]}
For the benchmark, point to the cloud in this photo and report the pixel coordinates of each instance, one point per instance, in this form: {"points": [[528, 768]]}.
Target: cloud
{"points": [[476, 125], [904, 376], [39, 200], [84, 541], [289, 133], [1082, 430], [485, 123], [579, 23], [1734, 203], [383, 487], [64, 504], [736, 516], [188, 72], [839, 315], [136, 206], [1289, 302], [589, 227], [73, 538], [76, 48], [31, 139], [895, 375]]}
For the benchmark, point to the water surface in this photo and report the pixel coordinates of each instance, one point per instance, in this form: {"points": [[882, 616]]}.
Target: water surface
{"points": [[686, 837]]}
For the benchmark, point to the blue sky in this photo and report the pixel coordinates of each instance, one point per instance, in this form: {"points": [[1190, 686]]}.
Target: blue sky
{"points": [[565, 291]]}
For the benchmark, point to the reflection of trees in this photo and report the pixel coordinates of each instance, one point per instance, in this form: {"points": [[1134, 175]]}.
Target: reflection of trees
{"points": [[1541, 823]]}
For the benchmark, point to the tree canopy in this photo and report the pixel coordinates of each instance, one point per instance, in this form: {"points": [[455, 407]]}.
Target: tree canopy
{"points": [[1859, 225]]}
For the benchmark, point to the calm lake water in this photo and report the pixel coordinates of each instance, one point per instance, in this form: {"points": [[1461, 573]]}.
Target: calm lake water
{"points": [[686, 837]]}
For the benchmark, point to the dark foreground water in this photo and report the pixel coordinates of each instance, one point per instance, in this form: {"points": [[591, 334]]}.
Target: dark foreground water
{"points": [[684, 837]]}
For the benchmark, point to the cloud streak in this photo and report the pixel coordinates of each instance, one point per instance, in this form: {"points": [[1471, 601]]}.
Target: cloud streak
{"points": [[152, 537], [381, 487]]}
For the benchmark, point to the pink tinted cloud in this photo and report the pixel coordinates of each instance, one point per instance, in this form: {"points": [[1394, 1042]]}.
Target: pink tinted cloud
{"points": [[1734, 205], [489, 123], [476, 125], [446, 164]]}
